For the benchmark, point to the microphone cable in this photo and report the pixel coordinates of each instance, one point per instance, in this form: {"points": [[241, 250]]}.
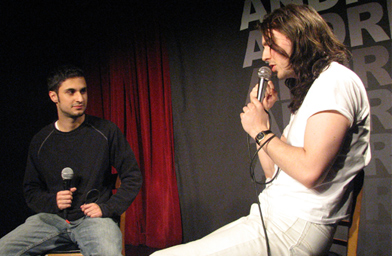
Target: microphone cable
{"points": [[255, 182]]}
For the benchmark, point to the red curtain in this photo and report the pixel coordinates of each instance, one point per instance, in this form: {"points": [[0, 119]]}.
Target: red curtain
{"points": [[129, 84]]}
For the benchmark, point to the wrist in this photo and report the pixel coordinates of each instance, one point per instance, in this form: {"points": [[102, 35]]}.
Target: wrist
{"points": [[262, 136]]}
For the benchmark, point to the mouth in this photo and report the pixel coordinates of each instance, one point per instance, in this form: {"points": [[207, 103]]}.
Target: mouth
{"points": [[79, 107]]}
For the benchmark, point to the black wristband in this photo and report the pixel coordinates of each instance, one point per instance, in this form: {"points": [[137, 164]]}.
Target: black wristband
{"points": [[261, 135]]}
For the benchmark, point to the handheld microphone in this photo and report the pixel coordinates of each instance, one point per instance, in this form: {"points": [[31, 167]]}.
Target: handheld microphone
{"points": [[264, 74], [67, 175]]}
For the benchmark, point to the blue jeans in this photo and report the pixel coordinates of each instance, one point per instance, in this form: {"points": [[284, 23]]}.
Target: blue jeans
{"points": [[43, 232]]}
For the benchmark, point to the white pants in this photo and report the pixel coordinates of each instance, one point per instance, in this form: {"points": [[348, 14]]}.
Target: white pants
{"points": [[286, 235]]}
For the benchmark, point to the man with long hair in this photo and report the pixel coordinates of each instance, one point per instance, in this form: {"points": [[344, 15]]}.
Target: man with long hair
{"points": [[321, 150]]}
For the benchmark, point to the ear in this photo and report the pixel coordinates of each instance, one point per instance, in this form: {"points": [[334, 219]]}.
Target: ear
{"points": [[53, 96]]}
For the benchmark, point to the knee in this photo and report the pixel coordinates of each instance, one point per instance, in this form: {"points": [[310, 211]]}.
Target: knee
{"points": [[103, 239], [112, 248], [107, 247]]}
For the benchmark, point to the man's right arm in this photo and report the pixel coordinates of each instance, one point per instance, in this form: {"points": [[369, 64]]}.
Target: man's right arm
{"points": [[36, 193]]}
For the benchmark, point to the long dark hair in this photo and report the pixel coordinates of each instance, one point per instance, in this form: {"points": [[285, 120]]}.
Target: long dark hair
{"points": [[314, 46]]}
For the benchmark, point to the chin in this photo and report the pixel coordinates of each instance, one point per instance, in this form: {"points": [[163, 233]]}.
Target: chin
{"points": [[282, 76], [76, 115]]}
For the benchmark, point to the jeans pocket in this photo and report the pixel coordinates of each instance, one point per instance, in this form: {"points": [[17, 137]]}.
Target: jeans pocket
{"points": [[315, 239]]}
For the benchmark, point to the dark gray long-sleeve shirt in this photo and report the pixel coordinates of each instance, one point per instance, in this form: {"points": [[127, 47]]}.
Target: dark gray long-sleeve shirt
{"points": [[90, 150]]}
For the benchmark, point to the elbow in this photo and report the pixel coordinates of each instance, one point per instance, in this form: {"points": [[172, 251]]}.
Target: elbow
{"points": [[309, 184], [313, 179]]}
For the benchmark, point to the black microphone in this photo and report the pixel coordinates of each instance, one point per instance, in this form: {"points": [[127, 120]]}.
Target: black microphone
{"points": [[264, 74], [67, 175]]}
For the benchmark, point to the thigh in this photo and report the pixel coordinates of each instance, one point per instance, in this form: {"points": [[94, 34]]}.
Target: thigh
{"points": [[294, 236], [315, 239], [40, 233], [98, 236], [242, 237]]}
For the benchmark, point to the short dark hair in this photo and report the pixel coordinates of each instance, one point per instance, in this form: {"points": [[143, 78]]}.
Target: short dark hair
{"points": [[62, 73]]}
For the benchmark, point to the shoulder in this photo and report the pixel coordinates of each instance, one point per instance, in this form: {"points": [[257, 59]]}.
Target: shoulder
{"points": [[337, 77], [337, 88], [40, 137], [44, 132], [98, 122], [338, 72], [103, 126]]}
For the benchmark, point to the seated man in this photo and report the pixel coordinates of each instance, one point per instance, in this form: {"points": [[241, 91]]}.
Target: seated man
{"points": [[324, 146], [88, 147]]}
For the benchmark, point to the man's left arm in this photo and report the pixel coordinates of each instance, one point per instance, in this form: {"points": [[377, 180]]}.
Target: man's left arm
{"points": [[324, 135], [124, 160]]}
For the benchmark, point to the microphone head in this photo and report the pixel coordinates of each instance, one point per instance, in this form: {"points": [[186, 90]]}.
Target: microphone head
{"points": [[265, 72], [67, 173]]}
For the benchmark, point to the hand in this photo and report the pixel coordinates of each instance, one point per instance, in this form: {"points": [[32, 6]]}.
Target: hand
{"points": [[91, 210], [254, 119], [64, 198], [271, 96]]}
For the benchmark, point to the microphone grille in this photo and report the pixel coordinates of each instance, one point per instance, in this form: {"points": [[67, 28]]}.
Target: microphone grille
{"points": [[265, 72], [67, 173]]}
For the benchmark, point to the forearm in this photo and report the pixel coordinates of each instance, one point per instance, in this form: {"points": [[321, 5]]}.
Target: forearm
{"points": [[290, 159], [124, 161], [124, 196], [310, 163], [267, 164], [298, 163], [41, 201], [130, 176], [36, 192]]}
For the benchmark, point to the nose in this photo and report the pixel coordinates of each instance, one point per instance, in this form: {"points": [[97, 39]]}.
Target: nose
{"points": [[266, 53], [79, 97]]}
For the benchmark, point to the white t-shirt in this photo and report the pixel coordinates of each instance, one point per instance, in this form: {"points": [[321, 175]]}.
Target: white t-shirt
{"points": [[337, 88]]}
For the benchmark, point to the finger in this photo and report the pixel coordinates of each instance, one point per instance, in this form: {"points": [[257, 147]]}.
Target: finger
{"points": [[91, 210], [248, 107], [63, 205], [84, 207], [254, 100], [64, 199], [271, 84], [92, 214], [88, 207], [270, 88], [64, 193], [253, 93]]}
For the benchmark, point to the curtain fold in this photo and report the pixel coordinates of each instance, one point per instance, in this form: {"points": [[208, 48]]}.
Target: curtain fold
{"points": [[129, 84]]}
